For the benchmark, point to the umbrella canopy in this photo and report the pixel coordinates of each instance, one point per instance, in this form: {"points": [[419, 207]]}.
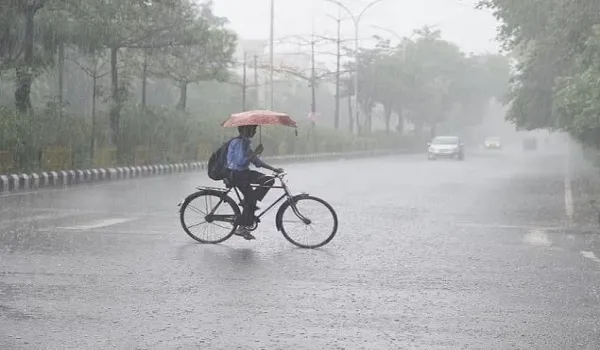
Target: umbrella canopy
{"points": [[259, 117]]}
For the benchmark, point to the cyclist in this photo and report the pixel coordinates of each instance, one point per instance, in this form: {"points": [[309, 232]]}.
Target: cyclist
{"points": [[239, 157]]}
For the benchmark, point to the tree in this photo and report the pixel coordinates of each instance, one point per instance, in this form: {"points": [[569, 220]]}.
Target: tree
{"points": [[95, 66], [130, 25], [552, 41], [20, 50], [369, 83], [11, 46], [379, 82], [425, 79], [577, 99], [207, 56]]}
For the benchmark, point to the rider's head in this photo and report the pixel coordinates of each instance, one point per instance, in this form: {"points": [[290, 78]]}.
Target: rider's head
{"points": [[247, 130]]}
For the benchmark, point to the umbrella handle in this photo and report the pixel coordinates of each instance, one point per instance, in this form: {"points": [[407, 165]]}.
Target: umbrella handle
{"points": [[260, 134]]}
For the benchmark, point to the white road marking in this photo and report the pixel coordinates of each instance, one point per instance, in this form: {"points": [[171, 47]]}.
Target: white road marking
{"points": [[113, 212], [538, 238], [142, 232], [569, 209], [590, 255], [97, 224], [27, 219], [518, 227]]}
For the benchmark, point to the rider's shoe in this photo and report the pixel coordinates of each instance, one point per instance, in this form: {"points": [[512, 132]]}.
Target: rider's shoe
{"points": [[243, 231]]}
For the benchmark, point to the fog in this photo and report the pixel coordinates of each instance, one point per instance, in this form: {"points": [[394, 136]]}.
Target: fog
{"points": [[424, 174]]}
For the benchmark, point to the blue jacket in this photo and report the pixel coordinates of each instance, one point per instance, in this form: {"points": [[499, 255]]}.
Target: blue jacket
{"points": [[238, 158]]}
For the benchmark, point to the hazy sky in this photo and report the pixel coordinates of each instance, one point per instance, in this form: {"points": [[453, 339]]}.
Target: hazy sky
{"points": [[473, 30]]}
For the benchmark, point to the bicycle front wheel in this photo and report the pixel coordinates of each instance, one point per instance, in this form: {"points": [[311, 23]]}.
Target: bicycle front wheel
{"points": [[209, 217], [308, 223]]}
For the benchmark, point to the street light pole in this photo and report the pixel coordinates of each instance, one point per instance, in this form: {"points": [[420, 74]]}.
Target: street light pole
{"points": [[244, 82], [271, 54], [356, 20], [338, 40], [313, 75], [313, 80], [256, 88], [356, 69], [336, 121]]}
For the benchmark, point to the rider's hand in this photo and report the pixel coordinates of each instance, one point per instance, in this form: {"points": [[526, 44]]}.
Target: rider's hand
{"points": [[278, 170], [259, 149]]}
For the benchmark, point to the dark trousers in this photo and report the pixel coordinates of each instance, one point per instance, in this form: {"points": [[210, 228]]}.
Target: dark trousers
{"points": [[244, 180]]}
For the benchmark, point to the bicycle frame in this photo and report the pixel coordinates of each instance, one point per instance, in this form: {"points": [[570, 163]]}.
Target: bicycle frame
{"points": [[287, 194]]}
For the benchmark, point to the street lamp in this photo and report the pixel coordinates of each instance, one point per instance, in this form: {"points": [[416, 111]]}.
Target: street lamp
{"points": [[356, 20], [271, 54], [336, 120]]}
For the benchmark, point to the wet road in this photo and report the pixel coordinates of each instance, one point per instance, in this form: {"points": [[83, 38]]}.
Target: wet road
{"points": [[480, 254]]}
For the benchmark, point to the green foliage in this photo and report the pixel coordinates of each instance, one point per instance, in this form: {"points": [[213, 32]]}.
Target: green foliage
{"points": [[207, 56], [577, 97], [424, 79], [132, 29], [25, 138], [165, 135], [128, 23], [126, 63], [555, 84]]}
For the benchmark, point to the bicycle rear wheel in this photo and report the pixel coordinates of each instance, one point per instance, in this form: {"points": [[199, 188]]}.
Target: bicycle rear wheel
{"points": [[316, 225], [209, 216]]}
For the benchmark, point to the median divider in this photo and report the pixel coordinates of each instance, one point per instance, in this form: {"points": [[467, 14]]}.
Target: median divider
{"points": [[66, 178]]}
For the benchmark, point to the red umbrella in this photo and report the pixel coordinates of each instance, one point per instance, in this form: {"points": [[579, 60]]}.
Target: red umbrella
{"points": [[259, 117]]}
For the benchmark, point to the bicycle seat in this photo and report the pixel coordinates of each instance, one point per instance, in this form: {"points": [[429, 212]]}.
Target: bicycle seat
{"points": [[227, 183]]}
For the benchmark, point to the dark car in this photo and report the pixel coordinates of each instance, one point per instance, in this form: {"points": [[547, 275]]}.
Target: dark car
{"points": [[446, 147]]}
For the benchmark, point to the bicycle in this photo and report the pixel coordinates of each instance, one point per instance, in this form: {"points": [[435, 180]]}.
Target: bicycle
{"points": [[225, 201]]}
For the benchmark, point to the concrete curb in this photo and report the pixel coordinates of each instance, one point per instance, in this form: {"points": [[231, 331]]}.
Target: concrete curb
{"points": [[65, 178]]}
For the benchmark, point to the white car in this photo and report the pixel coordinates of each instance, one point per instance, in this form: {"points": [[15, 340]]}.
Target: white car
{"points": [[446, 147], [493, 143]]}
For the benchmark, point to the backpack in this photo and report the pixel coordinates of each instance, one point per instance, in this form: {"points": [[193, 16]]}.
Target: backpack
{"points": [[217, 163]]}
